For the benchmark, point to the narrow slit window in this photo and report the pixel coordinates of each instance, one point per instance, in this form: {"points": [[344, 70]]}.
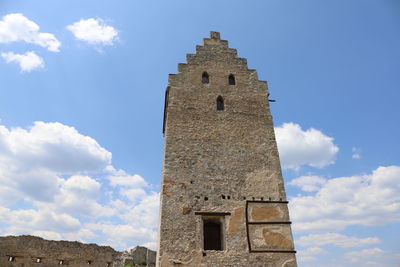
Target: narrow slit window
{"points": [[212, 235], [231, 80], [220, 103], [205, 78]]}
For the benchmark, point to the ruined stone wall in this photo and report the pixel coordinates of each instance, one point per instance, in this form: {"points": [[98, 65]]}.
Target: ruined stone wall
{"points": [[138, 256], [222, 165], [26, 251], [35, 251]]}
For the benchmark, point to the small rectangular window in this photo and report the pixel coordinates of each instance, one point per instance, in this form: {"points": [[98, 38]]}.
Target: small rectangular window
{"points": [[220, 103], [204, 78], [213, 233], [231, 80]]}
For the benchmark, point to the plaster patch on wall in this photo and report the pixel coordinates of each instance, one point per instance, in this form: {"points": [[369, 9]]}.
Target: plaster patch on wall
{"points": [[264, 213], [235, 220]]}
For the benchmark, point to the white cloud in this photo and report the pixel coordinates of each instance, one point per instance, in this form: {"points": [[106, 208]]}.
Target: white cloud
{"points": [[16, 27], [145, 212], [133, 181], [121, 235], [308, 183], [83, 186], [26, 221], [307, 255], [79, 195], [133, 194], [336, 239], [369, 200], [27, 62], [50, 168], [52, 146], [356, 153], [364, 254], [93, 31], [48, 235], [297, 147]]}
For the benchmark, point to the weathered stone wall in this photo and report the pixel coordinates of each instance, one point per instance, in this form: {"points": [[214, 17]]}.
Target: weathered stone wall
{"points": [[138, 256], [25, 251], [222, 165]]}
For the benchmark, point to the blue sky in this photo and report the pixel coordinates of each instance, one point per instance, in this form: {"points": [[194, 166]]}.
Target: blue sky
{"points": [[81, 105]]}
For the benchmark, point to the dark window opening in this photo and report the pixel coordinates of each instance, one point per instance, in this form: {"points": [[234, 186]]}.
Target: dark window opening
{"points": [[204, 78], [89, 262], [229, 197], [205, 198], [231, 80], [212, 236], [223, 197], [11, 258], [220, 103]]}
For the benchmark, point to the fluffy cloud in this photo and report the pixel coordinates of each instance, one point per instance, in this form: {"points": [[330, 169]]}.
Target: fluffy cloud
{"points": [[27, 62], [145, 212], [34, 162], [26, 221], [16, 27], [336, 239], [357, 256], [297, 147], [127, 180], [50, 169], [121, 235], [356, 153], [308, 183], [52, 146], [79, 195], [93, 31], [307, 255], [368, 200]]}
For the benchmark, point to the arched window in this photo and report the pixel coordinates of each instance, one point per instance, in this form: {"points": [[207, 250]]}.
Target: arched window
{"points": [[204, 78], [231, 80], [212, 235], [220, 103]]}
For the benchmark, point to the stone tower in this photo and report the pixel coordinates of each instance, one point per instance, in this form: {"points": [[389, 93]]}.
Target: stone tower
{"points": [[223, 201]]}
